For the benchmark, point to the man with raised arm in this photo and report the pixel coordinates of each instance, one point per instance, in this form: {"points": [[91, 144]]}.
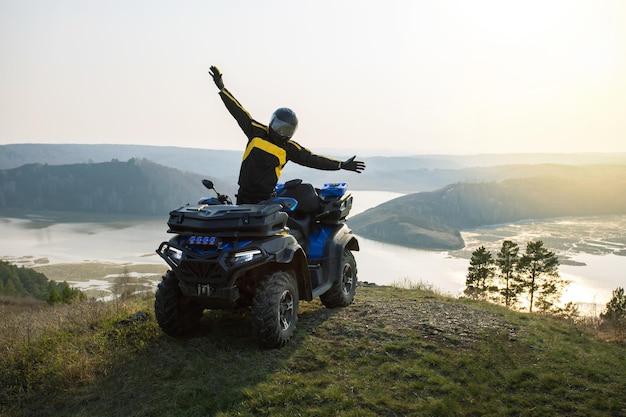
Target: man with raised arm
{"points": [[270, 147]]}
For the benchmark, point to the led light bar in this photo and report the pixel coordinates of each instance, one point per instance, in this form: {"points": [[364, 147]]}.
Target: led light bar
{"points": [[203, 240]]}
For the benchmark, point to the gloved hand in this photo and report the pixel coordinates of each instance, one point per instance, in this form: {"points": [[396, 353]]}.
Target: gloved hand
{"points": [[217, 76], [352, 165]]}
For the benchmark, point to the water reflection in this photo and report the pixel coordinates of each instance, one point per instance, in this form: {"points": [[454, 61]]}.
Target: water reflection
{"points": [[387, 264]]}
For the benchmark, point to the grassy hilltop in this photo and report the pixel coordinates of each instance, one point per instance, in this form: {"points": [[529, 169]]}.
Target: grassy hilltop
{"points": [[394, 352]]}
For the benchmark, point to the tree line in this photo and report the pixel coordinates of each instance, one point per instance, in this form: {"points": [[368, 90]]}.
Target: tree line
{"points": [[531, 280], [510, 277], [25, 282]]}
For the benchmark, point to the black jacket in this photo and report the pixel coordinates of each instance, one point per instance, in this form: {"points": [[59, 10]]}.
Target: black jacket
{"points": [[264, 159]]}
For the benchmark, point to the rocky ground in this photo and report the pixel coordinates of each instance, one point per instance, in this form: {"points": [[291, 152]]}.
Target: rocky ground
{"points": [[438, 319]]}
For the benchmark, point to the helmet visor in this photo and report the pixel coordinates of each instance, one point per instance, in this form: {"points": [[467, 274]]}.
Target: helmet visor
{"points": [[283, 129]]}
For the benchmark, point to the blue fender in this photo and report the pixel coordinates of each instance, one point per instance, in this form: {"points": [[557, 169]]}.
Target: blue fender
{"points": [[343, 239], [294, 256]]}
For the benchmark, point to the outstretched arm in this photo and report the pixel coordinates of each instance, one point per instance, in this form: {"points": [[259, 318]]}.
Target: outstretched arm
{"points": [[352, 165], [250, 127], [303, 156]]}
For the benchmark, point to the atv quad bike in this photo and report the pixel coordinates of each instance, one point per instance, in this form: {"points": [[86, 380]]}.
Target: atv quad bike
{"points": [[266, 256]]}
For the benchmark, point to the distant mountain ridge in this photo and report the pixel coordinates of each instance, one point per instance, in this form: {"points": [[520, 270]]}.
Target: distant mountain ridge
{"points": [[187, 159], [394, 173], [220, 163]]}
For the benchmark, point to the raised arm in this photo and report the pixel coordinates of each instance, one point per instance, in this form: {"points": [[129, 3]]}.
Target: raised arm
{"points": [[250, 127]]}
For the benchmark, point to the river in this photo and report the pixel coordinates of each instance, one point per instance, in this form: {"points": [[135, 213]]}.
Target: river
{"points": [[593, 248]]}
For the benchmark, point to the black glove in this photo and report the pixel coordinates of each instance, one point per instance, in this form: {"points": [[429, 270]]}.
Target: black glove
{"points": [[217, 76], [352, 165]]}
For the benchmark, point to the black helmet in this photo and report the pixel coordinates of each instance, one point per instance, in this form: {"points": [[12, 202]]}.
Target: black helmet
{"points": [[283, 124]]}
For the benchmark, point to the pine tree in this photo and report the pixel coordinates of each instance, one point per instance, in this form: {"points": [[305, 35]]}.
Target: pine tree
{"points": [[539, 276], [480, 274], [11, 283], [615, 314], [53, 296], [507, 260], [69, 294], [66, 293]]}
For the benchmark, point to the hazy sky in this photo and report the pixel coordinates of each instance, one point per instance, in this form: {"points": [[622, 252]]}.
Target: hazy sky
{"points": [[373, 77]]}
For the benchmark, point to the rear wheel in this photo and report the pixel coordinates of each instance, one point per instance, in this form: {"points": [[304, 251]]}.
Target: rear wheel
{"points": [[341, 294], [176, 315], [275, 309]]}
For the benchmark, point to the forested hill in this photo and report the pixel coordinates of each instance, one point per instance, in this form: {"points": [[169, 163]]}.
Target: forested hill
{"points": [[136, 187], [25, 282], [433, 220]]}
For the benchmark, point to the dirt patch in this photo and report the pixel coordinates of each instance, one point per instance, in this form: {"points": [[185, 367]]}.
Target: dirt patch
{"points": [[432, 318]]}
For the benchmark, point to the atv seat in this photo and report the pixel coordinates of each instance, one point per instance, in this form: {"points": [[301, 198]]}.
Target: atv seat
{"points": [[309, 205], [308, 199]]}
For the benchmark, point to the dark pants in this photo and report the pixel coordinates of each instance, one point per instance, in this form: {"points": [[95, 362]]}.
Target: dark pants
{"points": [[244, 198]]}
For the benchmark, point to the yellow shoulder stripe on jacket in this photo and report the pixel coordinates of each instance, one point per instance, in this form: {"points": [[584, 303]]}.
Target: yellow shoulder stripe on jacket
{"points": [[259, 125], [252, 121], [234, 100], [270, 148], [296, 145]]}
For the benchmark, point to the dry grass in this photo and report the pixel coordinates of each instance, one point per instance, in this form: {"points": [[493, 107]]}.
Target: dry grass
{"points": [[46, 349], [26, 322]]}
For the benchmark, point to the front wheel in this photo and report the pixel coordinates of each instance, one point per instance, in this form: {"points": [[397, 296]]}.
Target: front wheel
{"points": [[275, 309], [341, 294], [175, 315]]}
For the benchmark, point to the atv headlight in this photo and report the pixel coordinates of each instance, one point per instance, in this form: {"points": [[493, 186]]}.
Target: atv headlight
{"points": [[175, 255], [245, 256]]}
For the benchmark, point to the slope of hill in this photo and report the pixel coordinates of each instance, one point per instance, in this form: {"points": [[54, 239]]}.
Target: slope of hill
{"points": [[22, 282], [19, 283], [432, 220], [137, 187], [394, 352]]}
